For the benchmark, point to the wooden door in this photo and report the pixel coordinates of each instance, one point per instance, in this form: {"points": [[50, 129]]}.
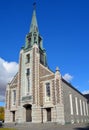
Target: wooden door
{"points": [[13, 116], [28, 114], [48, 114]]}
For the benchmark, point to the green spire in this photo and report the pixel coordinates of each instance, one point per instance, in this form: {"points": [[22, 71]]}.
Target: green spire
{"points": [[34, 25]]}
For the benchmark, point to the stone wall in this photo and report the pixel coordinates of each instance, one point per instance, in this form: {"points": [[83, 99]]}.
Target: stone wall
{"points": [[76, 116]]}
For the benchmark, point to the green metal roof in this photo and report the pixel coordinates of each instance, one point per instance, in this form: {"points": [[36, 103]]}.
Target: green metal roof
{"points": [[34, 25]]}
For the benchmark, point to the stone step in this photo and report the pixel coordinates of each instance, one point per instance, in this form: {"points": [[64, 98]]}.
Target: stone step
{"points": [[27, 124]]}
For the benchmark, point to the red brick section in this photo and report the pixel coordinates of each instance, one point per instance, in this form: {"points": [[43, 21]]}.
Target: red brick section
{"points": [[61, 94], [58, 91], [33, 75], [41, 88], [41, 93], [53, 91], [43, 71], [37, 76]]}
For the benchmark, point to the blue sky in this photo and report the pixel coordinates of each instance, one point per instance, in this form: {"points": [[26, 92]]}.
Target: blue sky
{"points": [[64, 26]]}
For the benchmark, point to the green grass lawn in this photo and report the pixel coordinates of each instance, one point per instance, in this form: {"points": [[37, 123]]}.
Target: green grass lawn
{"points": [[7, 129]]}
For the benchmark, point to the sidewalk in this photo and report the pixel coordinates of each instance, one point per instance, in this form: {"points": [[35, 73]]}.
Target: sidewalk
{"points": [[48, 126]]}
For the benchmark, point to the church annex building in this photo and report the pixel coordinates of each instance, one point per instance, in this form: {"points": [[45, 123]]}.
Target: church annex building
{"points": [[36, 94]]}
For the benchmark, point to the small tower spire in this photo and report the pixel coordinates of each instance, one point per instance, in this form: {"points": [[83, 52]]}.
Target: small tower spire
{"points": [[57, 73], [34, 25]]}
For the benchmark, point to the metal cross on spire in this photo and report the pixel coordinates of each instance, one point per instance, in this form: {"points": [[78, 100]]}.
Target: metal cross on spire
{"points": [[34, 5], [34, 25]]}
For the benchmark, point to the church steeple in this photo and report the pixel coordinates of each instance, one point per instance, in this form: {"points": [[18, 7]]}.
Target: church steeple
{"points": [[34, 25], [33, 37]]}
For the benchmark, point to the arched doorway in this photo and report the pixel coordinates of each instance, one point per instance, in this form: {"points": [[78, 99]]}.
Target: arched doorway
{"points": [[28, 108]]}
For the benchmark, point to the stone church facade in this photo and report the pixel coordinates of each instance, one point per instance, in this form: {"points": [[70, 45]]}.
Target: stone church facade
{"points": [[36, 94]]}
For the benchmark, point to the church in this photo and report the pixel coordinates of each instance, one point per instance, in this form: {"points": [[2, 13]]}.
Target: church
{"points": [[37, 94]]}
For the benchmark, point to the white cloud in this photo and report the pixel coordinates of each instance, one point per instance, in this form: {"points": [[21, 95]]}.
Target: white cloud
{"points": [[68, 77], [86, 92], [7, 71]]}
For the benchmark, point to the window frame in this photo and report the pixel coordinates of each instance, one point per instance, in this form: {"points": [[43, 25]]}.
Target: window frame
{"points": [[13, 97], [27, 58], [49, 98]]}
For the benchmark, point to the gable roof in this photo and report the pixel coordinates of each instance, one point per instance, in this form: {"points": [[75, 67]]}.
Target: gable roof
{"points": [[70, 85], [87, 96], [14, 81]]}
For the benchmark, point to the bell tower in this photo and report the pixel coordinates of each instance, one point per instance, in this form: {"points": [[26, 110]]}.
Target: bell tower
{"points": [[31, 56], [33, 37]]}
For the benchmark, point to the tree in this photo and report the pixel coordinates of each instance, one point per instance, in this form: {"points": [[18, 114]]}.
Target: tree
{"points": [[2, 113]]}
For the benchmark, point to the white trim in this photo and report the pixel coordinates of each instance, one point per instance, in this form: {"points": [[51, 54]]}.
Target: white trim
{"points": [[25, 66], [28, 66], [84, 108], [76, 103], [47, 76], [71, 104], [87, 108], [46, 80], [81, 110]]}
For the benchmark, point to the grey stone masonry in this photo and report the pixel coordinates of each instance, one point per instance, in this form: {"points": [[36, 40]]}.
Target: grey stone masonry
{"points": [[79, 105]]}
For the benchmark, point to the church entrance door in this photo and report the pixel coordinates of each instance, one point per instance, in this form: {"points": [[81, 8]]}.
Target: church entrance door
{"points": [[48, 114], [28, 108], [13, 116]]}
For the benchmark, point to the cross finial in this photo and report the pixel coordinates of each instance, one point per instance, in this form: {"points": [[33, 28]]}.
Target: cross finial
{"points": [[34, 5]]}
